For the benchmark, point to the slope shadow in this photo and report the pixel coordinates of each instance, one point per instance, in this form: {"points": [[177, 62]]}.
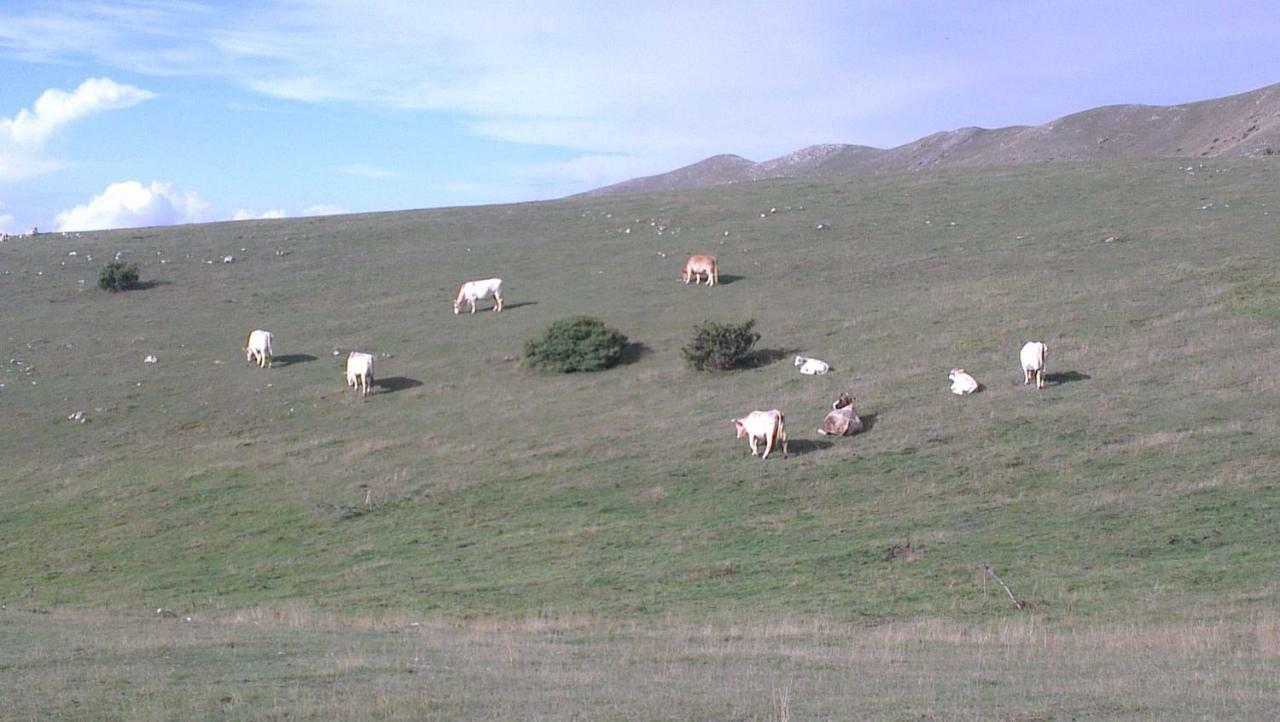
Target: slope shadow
{"points": [[633, 352], [800, 447], [1065, 377], [765, 356], [392, 384], [145, 285], [291, 359]]}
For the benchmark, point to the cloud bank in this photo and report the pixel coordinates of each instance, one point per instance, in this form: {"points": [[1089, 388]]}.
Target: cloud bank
{"points": [[129, 204]]}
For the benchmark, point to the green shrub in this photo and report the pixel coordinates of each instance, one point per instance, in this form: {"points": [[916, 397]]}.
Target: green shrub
{"points": [[577, 343], [720, 346], [118, 276]]}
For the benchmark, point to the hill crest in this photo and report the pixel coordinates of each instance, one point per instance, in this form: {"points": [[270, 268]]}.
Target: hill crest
{"points": [[1246, 124]]}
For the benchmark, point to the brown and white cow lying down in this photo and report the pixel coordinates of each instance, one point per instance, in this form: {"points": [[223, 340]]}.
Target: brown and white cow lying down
{"points": [[699, 265], [766, 426], [841, 420]]}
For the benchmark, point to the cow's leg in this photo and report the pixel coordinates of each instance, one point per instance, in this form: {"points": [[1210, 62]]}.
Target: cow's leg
{"points": [[752, 440], [1040, 378], [473, 305], [1026, 377], [497, 302], [768, 445]]}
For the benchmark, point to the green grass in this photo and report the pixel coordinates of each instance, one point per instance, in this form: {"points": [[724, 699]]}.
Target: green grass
{"points": [[1141, 485]]}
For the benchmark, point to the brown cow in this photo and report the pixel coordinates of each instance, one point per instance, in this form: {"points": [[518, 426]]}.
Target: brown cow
{"points": [[698, 265]]}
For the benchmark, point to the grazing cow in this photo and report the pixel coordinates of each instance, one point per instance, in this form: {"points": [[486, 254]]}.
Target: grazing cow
{"points": [[257, 348], [841, 420], [360, 371], [1033, 362], [812, 366], [766, 426], [962, 383], [473, 291], [698, 265]]}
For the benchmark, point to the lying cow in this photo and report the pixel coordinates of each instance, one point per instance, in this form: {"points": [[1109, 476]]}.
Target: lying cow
{"points": [[360, 371], [841, 420], [962, 383], [766, 426], [812, 366], [473, 291], [1033, 362], [699, 265], [257, 348]]}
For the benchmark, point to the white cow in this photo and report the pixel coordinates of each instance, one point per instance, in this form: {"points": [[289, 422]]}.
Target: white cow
{"points": [[360, 371], [841, 419], [257, 348], [962, 383], [766, 426], [473, 291], [1033, 362], [812, 366]]}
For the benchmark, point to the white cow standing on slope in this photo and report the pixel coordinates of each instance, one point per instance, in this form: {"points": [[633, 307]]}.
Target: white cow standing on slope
{"points": [[766, 426], [473, 291], [257, 348], [360, 371], [1033, 362]]}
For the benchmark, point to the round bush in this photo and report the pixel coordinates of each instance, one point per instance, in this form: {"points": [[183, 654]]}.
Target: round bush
{"points": [[577, 343], [118, 276], [720, 346]]}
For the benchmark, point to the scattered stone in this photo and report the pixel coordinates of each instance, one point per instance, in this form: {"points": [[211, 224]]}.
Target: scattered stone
{"points": [[150, 359], [78, 416]]}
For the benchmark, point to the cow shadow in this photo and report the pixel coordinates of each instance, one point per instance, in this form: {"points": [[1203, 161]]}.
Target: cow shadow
{"points": [[765, 356], [868, 423], [800, 447], [392, 384], [291, 359], [724, 279], [633, 352], [1065, 377], [522, 304]]}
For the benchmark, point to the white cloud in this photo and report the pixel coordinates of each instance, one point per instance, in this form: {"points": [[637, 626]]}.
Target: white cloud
{"points": [[56, 108], [6, 223], [245, 214], [373, 172], [324, 209], [129, 204], [23, 137]]}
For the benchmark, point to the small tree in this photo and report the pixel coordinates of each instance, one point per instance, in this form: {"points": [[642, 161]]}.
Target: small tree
{"points": [[720, 346], [118, 276], [577, 343]]}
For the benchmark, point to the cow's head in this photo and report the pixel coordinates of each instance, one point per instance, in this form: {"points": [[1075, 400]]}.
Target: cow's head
{"points": [[740, 428], [843, 401]]}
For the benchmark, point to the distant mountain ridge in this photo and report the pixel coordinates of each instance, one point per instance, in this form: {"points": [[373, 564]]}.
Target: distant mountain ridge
{"points": [[1247, 124]]}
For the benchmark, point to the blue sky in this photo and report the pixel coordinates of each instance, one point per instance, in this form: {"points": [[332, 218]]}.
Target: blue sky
{"points": [[140, 112]]}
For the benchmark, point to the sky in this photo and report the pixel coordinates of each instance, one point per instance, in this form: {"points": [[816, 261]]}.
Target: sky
{"points": [[140, 112]]}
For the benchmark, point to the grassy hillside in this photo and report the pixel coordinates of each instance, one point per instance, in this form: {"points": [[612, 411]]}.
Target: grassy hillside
{"points": [[1141, 484]]}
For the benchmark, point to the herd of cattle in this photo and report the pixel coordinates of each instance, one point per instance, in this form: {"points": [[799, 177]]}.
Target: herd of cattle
{"points": [[767, 428]]}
